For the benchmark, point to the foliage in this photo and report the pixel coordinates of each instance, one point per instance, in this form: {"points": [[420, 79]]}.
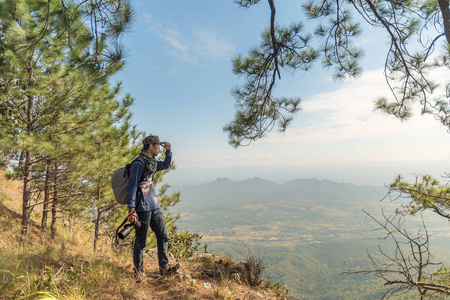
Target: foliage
{"points": [[183, 244], [10, 277], [415, 29], [425, 193], [54, 78], [442, 276], [281, 47], [278, 288]]}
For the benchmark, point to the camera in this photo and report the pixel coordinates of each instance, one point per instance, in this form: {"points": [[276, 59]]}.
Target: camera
{"points": [[127, 229]]}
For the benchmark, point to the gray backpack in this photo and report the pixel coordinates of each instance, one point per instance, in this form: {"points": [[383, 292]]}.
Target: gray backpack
{"points": [[120, 179]]}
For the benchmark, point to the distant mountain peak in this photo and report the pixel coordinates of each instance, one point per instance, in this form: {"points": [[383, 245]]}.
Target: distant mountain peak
{"points": [[218, 182], [256, 178], [256, 182], [222, 179]]}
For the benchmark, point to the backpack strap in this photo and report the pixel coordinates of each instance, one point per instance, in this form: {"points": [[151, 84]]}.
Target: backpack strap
{"points": [[126, 173], [144, 171], [128, 166]]}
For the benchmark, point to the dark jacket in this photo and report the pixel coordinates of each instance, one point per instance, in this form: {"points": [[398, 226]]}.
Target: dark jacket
{"points": [[148, 200]]}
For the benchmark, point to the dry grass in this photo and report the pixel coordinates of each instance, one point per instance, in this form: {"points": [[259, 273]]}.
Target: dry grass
{"points": [[67, 267], [12, 189]]}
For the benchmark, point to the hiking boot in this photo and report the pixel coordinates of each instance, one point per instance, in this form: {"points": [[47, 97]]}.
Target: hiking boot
{"points": [[169, 270], [140, 276]]}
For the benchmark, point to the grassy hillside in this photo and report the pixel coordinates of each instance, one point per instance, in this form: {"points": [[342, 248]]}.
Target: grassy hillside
{"points": [[66, 267]]}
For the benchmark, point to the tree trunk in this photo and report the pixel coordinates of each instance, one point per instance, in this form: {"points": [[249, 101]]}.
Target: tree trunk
{"points": [[54, 202], [47, 187], [71, 223], [54, 211], [26, 195], [444, 5], [28, 168], [99, 217], [97, 228]]}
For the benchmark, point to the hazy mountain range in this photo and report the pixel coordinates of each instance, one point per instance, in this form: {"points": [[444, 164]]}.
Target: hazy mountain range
{"points": [[224, 192], [371, 173]]}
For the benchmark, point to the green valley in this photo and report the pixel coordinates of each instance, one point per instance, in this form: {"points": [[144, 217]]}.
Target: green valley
{"points": [[307, 232]]}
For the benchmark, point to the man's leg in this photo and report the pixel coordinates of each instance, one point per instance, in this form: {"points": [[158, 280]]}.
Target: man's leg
{"points": [[158, 225], [141, 240]]}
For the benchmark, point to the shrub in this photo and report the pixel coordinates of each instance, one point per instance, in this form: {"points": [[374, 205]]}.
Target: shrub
{"points": [[183, 245], [253, 269]]}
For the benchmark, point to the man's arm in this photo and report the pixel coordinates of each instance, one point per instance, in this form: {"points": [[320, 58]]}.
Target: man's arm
{"points": [[133, 184], [165, 164], [162, 165]]}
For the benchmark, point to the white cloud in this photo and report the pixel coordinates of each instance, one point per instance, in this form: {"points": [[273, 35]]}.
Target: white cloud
{"points": [[342, 126], [348, 113], [212, 45], [192, 46]]}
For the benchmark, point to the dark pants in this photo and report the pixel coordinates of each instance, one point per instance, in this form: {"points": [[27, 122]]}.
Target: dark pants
{"points": [[155, 220]]}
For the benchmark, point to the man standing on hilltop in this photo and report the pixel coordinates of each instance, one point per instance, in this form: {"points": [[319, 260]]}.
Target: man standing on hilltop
{"points": [[141, 198]]}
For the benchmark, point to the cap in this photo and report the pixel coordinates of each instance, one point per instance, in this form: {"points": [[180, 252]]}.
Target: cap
{"points": [[151, 139]]}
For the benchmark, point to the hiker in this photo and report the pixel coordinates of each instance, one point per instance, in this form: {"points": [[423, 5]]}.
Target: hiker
{"points": [[141, 197]]}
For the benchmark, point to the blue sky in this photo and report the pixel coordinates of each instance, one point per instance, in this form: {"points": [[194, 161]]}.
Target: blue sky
{"points": [[179, 72]]}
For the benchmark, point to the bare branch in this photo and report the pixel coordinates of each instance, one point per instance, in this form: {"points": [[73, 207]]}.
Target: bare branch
{"points": [[410, 267]]}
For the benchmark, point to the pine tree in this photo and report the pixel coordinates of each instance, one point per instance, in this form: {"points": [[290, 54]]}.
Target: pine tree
{"points": [[107, 144], [51, 64], [419, 35]]}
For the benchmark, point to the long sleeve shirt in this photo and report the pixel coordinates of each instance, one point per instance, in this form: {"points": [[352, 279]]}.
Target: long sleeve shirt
{"points": [[148, 200]]}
